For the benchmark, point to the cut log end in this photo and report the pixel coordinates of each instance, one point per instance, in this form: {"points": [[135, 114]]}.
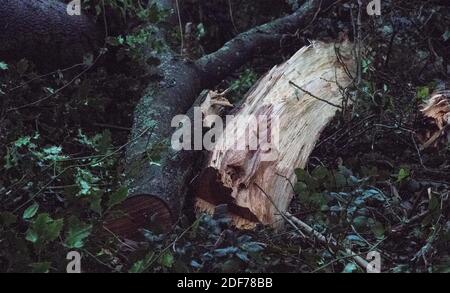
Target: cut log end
{"points": [[139, 212]]}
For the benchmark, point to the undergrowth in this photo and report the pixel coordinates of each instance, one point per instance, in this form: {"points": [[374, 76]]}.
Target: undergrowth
{"points": [[63, 136]]}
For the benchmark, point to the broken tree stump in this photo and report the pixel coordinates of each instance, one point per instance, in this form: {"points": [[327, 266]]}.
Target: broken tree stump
{"points": [[436, 113], [158, 177], [297, 100]]}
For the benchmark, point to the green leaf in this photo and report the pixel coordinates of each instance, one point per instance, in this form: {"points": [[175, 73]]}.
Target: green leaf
{"points": [[340, 180], [141, 265], [301, 187], [40, 267], [402, 174], [446, 35], [423, 93], [137, 267], [77, 233], [43, 230], [22, 141], [3, 66], [118, 196], [30, 211], [378, 229], [350, 268], [231, 266], [86, 182], [167, 260], [53, 153], [320, 173], [302, 175], [360, 222]]}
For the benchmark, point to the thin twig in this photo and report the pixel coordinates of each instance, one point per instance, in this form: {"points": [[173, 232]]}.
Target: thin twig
{"points": [[181, 26], [312, 95], [230, 8], [279, 211]]}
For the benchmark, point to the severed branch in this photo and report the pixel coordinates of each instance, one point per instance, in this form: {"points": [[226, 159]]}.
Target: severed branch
{"points": [[163, 184]]}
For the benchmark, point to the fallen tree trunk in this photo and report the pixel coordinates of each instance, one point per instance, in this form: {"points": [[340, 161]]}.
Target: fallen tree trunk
{"points": [[274, 131], [43, 32], [158, 188]]}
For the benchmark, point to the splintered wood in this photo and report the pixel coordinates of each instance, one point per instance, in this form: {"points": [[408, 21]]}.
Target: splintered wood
{"points": [[436, 111], [298, 99]]}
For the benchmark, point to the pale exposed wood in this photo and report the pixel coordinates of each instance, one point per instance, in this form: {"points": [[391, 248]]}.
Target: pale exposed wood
{"points": [[437, 109], [304, 94]]}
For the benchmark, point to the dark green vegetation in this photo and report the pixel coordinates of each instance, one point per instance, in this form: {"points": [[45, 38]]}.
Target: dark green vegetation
{"points": [[63, 136]]}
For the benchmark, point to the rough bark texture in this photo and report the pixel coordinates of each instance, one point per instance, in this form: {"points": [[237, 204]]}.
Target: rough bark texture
{"points": [[288, 109], [174, 95], [42, 32]]}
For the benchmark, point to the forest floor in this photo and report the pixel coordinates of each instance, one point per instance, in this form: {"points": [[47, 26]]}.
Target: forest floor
{"points": [[368, 184]]}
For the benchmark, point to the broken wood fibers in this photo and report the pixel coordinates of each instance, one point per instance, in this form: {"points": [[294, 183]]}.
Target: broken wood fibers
{"points": [[436, 111], [304, 94]]}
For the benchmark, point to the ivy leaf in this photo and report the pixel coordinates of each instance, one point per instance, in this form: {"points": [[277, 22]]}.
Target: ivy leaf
{"points": [[77, 233], [320, 173], [3, 66], [167, 260], [53, 153], [30, 211], [230, 266], [402, 175], [378, 229], [350, 268], [141, 265], [340, 180], [137, 267], [22, 141], [360, 222], [43, 230], [86, 182], [252, 247], [118, 196], [423, 93], [302, 175], [221, 252]]}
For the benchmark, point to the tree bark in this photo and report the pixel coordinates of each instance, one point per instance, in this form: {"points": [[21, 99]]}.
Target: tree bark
{"points": [[165, 182], [43, 32]]}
